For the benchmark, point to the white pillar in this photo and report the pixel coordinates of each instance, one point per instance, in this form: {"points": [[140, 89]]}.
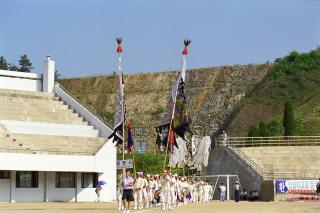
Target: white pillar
{"points": [[13, 186], [78, 185], [48, 75], [228, 190]]}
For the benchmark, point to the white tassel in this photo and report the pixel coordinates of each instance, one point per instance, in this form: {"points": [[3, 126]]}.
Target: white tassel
{"points": [[202, 155]]}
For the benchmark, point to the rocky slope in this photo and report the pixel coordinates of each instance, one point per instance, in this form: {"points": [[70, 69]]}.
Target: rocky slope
{"points": [[212, 94]]}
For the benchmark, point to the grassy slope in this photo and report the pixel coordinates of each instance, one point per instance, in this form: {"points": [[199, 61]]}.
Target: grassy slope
{"points": [[296, 78]]}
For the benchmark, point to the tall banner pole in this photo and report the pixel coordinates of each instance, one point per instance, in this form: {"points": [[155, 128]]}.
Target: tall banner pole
{"points": [[175, 93], [119, 51], [169, 134]]}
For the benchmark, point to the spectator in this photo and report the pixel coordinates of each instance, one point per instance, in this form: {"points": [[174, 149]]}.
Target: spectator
{"points": [[318, 186], [254, 195], [244, 195], [127, 196], [223, 190], [237, 191], [224, 138], [98, 189]]}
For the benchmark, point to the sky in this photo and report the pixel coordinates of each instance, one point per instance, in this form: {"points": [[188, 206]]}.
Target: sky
{"points": [[80, 34]]}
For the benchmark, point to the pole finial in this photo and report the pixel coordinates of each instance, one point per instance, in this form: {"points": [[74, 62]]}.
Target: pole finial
{"points": [[186, 44], [119, 41]]}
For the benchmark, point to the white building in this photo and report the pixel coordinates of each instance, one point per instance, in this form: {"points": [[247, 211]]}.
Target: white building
{"points": [[51, 147]]}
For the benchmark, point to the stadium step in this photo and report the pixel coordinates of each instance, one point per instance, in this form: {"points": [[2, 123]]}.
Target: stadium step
{"points": [[298, 160], [62, 144]]}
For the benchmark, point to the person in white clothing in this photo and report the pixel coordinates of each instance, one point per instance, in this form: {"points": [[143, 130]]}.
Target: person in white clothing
{"points": [[138, 185], [150, 190], [119, 194], [224, 138], [223, 190], [200, 191], [173, 191], [206, 191], [145, 198], [127, 196], [165, 191], [194, 191]]}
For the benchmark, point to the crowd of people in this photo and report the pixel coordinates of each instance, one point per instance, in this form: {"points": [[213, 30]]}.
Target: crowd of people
{"points": [[167, 191]]}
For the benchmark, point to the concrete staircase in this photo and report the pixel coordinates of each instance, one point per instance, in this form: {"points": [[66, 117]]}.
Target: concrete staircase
{"points": [[38, 123], [36, 106], [286, 161], [44, 144], [42, 128]]}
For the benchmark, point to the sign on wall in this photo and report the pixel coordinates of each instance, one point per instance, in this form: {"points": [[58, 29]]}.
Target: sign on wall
{"points": [[296, 186], [124, 164]]}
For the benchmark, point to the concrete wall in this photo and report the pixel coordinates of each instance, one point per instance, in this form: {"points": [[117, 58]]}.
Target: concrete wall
{"points": [[4, 190], [223, 161], [47, 191], [268, 189], [42, 162], [20, 81], [107, 162], [104, 163]]}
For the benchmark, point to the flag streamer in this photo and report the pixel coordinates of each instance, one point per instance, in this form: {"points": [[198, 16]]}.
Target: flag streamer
{"points": [[175, 116]]}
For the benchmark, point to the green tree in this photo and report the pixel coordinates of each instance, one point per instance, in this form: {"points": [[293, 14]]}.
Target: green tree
{"points": [[253, 132], [263, 129], [274, 128], [288, 119], [3, 64], [57, 75], [13, 67], [25, 64]]}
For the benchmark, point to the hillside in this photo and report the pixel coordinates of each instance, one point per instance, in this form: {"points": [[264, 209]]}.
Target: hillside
{"points": [[294, 78], [212, 94]]}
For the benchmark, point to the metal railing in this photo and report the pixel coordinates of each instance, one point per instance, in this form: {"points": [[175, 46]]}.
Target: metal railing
{"points": [[248, 160], [291, 175], [83, 110], [268, 141]]}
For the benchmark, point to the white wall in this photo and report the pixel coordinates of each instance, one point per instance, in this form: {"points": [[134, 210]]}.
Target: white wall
{"points": [[4, 190], [104, 162], [84, 194], [20, 81], [107, 162], [42, 162]]}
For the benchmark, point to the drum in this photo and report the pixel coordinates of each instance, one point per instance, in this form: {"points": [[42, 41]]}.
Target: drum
{"points": [[157, 194]]}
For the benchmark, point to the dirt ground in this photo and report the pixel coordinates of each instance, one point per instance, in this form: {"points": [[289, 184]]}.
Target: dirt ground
{"points": [[216, 206]]}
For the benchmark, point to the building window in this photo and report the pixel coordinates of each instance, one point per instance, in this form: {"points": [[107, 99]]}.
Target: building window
{"points": [[89, 180], [4, 174], [27, 179], [65, 180]]}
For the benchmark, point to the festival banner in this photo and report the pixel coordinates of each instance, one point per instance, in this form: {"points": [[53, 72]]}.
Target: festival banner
{"points": [[296, 186]]}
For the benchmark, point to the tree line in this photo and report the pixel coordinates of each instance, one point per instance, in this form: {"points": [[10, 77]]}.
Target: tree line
{"points": [[24, 62], [25, 66], [273, 128]]}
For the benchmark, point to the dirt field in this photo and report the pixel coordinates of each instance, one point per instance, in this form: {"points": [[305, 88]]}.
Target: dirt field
{"points": [[226, 207]]}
